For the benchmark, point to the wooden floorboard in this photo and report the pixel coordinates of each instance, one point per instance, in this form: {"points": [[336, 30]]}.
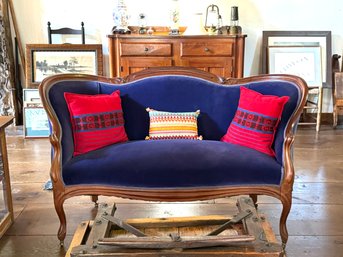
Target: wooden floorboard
{"points": [[315, 222], [32, 246], [315, 246]]}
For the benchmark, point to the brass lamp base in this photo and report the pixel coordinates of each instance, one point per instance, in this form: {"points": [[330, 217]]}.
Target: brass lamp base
{"points": [[234, 30]]}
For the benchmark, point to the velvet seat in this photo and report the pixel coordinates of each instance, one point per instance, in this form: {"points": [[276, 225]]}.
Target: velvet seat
{"points": [[173, 164]]}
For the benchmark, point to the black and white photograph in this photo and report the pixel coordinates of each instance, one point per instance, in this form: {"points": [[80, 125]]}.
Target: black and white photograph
{"points": [[48, 63], [50, 59]]}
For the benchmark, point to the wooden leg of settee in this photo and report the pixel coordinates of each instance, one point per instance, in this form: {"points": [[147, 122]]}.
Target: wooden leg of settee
{"points": [[286, 201], [62, 217], [254, 199], [95, 199]]}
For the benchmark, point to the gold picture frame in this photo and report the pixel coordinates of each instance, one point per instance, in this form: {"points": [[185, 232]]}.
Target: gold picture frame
{"points": [[43, 60]]}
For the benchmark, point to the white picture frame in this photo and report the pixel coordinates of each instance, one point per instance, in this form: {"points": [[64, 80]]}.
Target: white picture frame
{"points": [[31, 98], [36, 123], [302, 61]]}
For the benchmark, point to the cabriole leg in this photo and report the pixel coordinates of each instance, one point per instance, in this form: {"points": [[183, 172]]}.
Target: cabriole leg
{"points": [[254, 199], [62, 217], [95, 199], [286, 207]]}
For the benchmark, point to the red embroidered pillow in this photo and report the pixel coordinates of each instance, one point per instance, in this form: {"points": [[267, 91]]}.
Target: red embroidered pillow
{"points": [[255, 121], [97, 120]]}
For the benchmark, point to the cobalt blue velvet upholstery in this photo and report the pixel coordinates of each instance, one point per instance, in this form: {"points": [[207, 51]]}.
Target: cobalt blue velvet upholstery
{"points": [[173, 163]]}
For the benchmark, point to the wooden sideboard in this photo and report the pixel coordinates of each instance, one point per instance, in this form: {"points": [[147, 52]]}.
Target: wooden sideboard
{"points": [[222, 55]]}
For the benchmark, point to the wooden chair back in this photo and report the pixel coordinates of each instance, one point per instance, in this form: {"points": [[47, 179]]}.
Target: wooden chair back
{"points": [[66, 31]]}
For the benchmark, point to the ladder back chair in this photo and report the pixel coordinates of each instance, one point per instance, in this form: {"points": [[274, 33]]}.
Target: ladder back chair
{"points": [[66, 31], [315, 103]]}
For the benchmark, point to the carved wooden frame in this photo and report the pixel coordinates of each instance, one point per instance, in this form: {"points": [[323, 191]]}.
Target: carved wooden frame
{"points": [[282, 192], [31, 49]]}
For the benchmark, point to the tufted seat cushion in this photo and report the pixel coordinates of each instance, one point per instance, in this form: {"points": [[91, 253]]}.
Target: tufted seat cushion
{"points": [[172, 164]]}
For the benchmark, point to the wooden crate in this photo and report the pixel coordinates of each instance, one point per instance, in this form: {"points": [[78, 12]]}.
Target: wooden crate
{"points": [[251, 237]]}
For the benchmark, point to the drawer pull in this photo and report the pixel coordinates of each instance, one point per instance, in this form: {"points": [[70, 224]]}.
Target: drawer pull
{"points": [[146, 49], [206, 49]]}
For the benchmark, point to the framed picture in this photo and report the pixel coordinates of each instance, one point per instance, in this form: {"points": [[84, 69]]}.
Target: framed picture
{"points": [[36, 123], [31, 98], [320, 39], [303, 61], [43, 60]]}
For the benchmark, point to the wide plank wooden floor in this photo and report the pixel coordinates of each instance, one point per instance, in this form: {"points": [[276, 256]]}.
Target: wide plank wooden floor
{"points": [[315, 223]]}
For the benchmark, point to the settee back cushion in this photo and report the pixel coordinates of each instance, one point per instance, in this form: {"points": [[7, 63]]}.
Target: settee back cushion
{"points": [[217, 104]]}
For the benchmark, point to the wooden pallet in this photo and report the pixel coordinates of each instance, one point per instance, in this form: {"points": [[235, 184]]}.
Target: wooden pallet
{"points": [[182, 236]]}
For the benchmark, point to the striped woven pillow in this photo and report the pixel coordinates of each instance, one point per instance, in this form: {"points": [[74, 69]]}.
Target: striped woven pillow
{"points": [[173, 125]]}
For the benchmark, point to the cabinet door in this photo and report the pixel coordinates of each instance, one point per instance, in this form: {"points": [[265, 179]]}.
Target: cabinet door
{"points": [[221, 66], [133, 64]]}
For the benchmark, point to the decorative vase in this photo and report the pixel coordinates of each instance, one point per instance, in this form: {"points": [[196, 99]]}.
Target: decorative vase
{"points": [[120, 18], [175, 17], [142, 24]]}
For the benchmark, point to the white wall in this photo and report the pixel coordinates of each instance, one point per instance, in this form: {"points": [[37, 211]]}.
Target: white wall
{"points": [[255, 16]]}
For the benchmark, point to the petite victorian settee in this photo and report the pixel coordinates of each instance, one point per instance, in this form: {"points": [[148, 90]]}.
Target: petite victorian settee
{"points": [[239, 142]]}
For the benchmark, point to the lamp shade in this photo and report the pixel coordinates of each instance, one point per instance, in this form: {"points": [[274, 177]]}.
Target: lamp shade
{"points": [[196, 25]]}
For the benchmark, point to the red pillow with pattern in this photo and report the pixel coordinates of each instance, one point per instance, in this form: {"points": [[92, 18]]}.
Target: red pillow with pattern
{"points": [[255, 121], [97, 120]]}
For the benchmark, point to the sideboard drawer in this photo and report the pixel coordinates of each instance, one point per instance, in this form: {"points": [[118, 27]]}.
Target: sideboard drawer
{"points": [[201, 48], [146, 49]]}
